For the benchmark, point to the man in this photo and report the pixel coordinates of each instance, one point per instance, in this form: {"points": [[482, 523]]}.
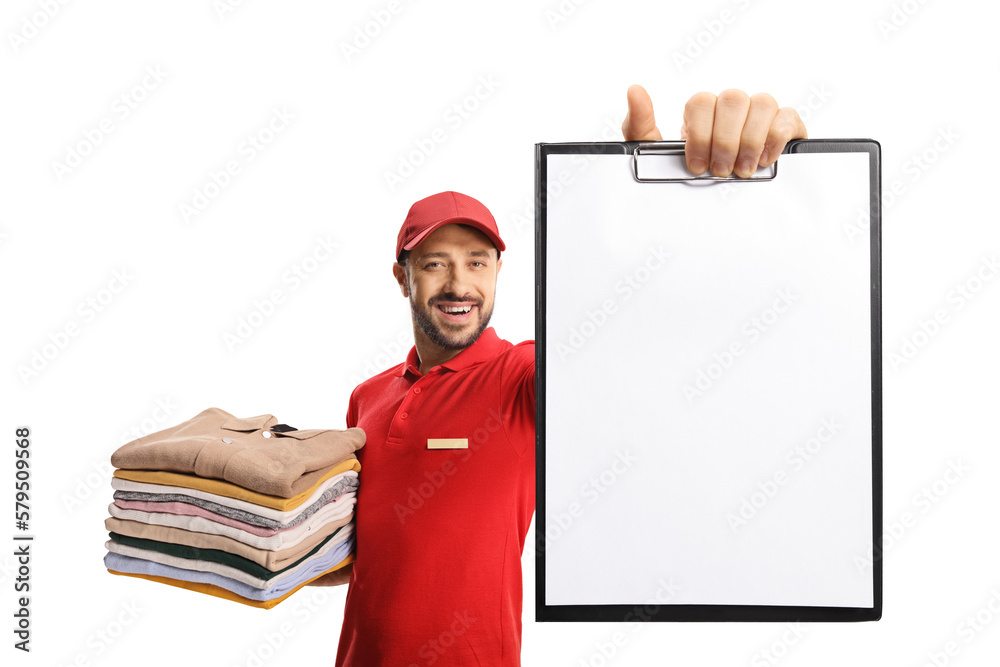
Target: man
{"points": [[448, 471]]}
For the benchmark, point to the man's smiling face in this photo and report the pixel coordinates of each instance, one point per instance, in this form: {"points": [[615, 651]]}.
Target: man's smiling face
{"points": [[452, 285]]}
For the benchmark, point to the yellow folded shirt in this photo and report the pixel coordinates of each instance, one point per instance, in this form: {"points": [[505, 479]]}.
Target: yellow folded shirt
{"points": [[219, 592], [230, 490]]}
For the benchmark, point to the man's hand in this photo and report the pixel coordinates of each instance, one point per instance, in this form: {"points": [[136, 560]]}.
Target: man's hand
{"points": [[335, 578], [731, 129]]}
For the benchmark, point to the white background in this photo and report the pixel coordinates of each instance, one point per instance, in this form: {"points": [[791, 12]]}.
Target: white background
{"points": [[558, 73]]}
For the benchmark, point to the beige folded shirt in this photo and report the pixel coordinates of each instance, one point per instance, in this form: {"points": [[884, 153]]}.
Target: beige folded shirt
{"points": [[199, 524], [246, 452], [272, 560]]}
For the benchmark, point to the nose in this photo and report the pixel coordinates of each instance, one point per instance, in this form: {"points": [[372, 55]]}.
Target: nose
{"points": [[458, 281]]}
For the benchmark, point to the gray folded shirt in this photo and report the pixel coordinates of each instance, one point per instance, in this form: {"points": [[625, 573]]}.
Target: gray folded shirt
{"points": [[341, 487]]}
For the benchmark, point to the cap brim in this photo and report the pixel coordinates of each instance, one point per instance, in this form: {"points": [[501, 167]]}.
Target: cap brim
{"points": [[418, 239]]}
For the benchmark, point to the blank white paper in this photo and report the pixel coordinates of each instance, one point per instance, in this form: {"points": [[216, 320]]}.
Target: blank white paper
{"points": [[708, 386]]}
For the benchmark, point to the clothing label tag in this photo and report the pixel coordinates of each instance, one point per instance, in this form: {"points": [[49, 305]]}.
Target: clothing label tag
{"points": [[447, 443]]}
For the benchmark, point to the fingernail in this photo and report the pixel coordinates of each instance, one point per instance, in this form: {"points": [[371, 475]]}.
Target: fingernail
{"points": [[720, 169], [763, 158], [744, 167], [698, 165]]}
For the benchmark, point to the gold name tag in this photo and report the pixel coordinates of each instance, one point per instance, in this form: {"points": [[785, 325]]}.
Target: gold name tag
{"points": [[447, 443]]}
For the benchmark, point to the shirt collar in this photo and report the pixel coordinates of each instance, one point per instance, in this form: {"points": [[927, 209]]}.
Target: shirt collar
{"points": [[487, 346]]}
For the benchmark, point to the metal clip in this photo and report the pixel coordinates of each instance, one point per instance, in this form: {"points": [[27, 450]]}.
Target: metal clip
{"points": [[677, 148]]}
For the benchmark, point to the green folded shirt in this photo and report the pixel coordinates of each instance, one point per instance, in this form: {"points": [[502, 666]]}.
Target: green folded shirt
{"points": [[214, 555]]}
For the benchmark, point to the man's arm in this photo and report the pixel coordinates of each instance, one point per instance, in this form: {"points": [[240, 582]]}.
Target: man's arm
{"points": [[729, 132]]}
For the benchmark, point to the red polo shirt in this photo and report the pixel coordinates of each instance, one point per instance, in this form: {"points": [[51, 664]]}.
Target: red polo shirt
{"points": [[440, 532]]}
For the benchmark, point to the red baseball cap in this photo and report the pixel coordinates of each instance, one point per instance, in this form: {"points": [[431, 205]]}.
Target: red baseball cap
{"points": [[445, 208]]}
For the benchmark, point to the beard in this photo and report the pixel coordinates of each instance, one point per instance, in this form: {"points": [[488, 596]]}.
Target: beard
{"points": [[446, 338]]}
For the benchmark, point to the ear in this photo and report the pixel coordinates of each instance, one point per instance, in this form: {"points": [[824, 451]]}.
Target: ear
{"points": [[400, 273]]}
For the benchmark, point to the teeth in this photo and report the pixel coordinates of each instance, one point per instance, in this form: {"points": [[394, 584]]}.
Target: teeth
{"points": [[456, 309]]}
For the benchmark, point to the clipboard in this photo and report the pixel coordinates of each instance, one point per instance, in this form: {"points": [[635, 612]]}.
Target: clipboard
{"points": [[709, 411]]}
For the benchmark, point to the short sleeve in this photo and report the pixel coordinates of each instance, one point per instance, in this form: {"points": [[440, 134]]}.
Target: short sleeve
{"points": [[518, 389], [352, 411]]}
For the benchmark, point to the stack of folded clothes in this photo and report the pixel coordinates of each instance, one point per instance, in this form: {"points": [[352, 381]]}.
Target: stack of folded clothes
{"points": [[244, 509]]}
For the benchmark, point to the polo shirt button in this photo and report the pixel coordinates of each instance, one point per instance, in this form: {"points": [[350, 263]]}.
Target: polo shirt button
{"points": [[266, 434], [402, 416], [416, 390], [227, 441]]}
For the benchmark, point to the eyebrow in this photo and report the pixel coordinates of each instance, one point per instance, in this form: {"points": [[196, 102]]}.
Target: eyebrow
{"points": [[441, 253]]}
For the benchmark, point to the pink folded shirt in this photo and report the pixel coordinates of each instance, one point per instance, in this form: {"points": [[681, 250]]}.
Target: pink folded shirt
{"points": [[187, 509]]}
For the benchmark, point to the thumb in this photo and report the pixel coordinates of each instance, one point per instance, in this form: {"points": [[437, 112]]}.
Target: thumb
{"points": [[640, 125]]}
